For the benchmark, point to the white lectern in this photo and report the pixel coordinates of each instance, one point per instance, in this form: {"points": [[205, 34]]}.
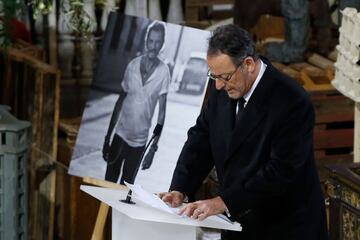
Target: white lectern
{"points": [[139, 221]]}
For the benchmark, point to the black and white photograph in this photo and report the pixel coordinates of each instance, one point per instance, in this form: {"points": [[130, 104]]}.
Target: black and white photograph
{"points": [[147, 92]]}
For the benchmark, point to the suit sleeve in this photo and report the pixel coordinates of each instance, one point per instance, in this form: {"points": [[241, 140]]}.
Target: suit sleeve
{"points": [[290, 153], [195, 160]]}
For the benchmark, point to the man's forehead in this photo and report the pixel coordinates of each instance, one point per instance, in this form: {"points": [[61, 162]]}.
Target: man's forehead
{"points": [[155, 33], [220, 63]]}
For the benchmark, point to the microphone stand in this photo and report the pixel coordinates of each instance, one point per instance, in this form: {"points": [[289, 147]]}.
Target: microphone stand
{"points": [[156, 132]]}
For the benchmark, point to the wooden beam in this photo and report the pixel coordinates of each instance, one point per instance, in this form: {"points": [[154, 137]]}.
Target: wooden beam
{"points": [[288, 71], [208, 2], [335, 108], [357, 133], [103, 183], [310, 86], [98, 231], [100, 222], [334, 138], [21, 56], [321, 62]]}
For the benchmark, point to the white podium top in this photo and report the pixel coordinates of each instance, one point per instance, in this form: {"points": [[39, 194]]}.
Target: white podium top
{"points": [[140, 211]]}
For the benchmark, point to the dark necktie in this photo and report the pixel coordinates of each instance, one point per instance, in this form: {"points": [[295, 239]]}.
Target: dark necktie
{"points": [[241, 106]]}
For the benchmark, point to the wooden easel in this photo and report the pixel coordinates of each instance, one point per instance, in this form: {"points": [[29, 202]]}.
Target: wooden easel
{"points": [[103, 209]]}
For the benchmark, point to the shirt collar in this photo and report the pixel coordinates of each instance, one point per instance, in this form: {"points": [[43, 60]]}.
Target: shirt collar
{"points": [[257, 80]]}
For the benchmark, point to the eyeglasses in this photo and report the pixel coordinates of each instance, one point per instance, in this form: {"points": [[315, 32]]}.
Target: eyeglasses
{"points": [[225, 76]]}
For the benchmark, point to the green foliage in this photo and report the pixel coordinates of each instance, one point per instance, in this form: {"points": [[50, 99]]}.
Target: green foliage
{"points": [[41, 7], [8, 11], [79, 20], [100, 2]]}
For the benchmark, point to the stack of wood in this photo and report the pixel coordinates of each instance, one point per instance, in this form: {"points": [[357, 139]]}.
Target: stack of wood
{"points": [[201, 14]]}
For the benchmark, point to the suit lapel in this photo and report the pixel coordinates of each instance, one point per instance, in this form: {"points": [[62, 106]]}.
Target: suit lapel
{"points": [[251, 117], [254, 111], [225, 120]]}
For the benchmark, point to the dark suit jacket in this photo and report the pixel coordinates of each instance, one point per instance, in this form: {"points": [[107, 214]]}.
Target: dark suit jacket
{"points": [[265, 165]]}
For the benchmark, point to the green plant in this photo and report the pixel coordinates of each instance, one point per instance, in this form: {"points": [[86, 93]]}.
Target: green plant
{"points": [[41, 7], [79, 20], [11, 9], [8, 10]]}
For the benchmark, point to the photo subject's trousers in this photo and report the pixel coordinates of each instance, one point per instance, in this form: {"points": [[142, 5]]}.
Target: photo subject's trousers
{"points": [[121, 152]]}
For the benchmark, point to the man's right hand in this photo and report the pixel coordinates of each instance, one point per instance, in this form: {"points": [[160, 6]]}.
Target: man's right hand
{"points": [[106, 149], [174, 198]]}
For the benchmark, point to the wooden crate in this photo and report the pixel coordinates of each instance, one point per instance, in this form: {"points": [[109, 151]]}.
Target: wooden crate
{"points": [[334, 130], [32, 89], [197, 13], [269, 28]]}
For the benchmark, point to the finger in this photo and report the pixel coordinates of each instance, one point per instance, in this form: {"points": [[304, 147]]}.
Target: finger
{"points": [[189, 211], [167, 198], [175, 202], [196, 213], [161, 195], [182, 210], [186, 210], [202, 216]]}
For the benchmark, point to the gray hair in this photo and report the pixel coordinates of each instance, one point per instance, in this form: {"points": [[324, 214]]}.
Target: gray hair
{"points": [[232, 41]]}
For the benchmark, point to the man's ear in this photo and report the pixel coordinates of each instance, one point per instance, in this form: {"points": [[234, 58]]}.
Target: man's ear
{"points": [[250, 64]]}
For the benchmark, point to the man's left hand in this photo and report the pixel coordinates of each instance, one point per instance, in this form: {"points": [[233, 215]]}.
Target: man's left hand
{"points": [[204, 208]]}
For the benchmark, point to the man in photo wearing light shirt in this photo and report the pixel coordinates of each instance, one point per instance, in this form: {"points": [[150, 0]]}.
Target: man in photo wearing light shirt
{"points": [[145, 83], [256, 129]]}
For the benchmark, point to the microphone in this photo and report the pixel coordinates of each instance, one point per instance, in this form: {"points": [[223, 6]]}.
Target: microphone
{"points": [[157, 130]]}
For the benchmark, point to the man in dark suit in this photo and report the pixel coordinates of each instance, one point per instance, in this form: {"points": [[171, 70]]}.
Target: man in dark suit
{"points": [[257, 130]]}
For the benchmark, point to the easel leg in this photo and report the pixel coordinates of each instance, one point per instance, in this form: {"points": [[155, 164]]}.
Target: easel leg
{"points": [[98, 232], [100, 222]]}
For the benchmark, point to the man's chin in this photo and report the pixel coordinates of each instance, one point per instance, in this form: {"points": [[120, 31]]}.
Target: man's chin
{"points": [[152, 55], [233, 95]]}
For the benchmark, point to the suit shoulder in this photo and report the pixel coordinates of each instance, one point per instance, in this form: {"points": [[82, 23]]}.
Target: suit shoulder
{"points": [[288, 87], [287, 92]]}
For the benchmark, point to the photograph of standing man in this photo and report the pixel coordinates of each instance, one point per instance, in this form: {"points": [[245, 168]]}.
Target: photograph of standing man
{"points": [[256, 129], [145, 83]]}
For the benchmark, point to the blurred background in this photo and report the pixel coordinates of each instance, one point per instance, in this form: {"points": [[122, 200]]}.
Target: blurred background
{"points": [[51, 52]]}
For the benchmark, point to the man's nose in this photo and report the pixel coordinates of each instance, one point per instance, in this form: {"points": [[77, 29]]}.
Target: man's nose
{"points": [[219, 84], [157, 45]]}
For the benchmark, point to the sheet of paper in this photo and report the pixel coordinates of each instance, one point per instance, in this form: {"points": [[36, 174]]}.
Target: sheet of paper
{"points": [[154, 201], [150, 198]]}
